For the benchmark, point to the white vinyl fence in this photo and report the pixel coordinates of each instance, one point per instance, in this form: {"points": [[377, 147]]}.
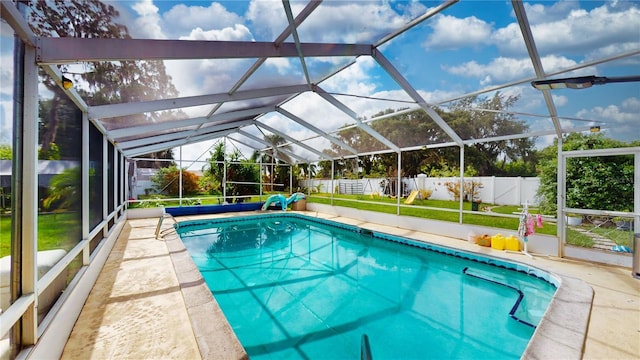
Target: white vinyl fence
{"points": [[495, 190]]}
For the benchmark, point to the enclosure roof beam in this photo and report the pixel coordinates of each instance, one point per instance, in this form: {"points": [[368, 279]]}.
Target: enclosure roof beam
{"points": [[525, 135], [182, 134], [289, 138], [262, 151], [177, 124], [171, 144], [530, 43], [123, 109], [296, 39], [318, 131], [65, 50], [365, 127], [285, 151]]}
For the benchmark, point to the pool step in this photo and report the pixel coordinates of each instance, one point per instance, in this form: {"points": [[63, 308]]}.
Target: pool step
{"points": [[515, 306]]}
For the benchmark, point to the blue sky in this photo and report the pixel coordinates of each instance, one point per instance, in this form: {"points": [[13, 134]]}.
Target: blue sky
{"points": [[470, 46]]}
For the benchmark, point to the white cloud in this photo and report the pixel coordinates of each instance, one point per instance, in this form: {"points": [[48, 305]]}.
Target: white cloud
{"points": [[183, 18], [6, 73], [505, 69], [574, 31], [149, 23], [500, 69], [560, 100], [621, 120], [281, 65], [353, 80], [631, 105], [237, 32], [6, 122], [540, 13], [267, 20], [353, 22], [450, 32]]}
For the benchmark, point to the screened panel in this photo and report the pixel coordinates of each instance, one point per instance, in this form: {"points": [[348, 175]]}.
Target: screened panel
{"points": [[60, 195], [110, 178], [409, 129], [155, 117], [276, 72], [315, 110], [95, 176]]}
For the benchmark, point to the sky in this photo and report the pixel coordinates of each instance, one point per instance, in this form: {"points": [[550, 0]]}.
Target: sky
{"points": [[472, 45]]}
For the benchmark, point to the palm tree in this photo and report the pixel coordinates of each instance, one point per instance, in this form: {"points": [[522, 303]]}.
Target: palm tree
{"points": [[308, 170], [271, 155], [65, 190]]}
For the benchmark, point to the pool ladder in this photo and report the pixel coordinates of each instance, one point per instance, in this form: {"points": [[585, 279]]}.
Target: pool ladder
{"points": [[365, 349], [160, 220]]}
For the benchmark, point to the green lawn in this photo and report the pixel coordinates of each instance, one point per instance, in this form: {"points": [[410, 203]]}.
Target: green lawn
{"points": [[387, 205], [55, 231]]}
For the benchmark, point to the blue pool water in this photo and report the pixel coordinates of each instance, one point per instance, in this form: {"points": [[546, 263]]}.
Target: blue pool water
{"points": [[294, 287]]}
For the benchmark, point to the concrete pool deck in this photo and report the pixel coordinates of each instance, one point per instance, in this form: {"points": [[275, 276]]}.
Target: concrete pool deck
{"points": [[149, 301]]}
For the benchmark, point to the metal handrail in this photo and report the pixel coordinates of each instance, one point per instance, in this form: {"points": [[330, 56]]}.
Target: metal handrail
{"points": [[365, 348]]}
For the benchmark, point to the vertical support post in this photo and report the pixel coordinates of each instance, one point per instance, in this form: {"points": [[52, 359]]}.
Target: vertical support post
{"points": [[30, 196], [180, 179], [129, 178], [224, 180], [561, 179], [16, 181], [105, 185], [85, 186], [260, 174], [332, 176], [636, 191], [309, 183], [116, 188], [291, 178], [399, 185], [123, 179], [461, 197]]}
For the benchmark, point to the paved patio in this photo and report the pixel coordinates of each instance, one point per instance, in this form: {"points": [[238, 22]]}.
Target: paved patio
{"points": [[149, 304]]}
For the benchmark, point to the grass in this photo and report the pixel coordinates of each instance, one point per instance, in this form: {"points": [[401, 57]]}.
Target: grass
{"points": [[55, 231], [433, 209]]}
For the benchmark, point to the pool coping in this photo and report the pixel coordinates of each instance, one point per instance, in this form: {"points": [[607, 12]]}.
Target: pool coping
{"points": [[561, 333], [214, 336]]}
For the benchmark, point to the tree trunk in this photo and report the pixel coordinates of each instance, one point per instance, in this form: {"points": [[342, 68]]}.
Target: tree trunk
{"points": [[49, 135]]}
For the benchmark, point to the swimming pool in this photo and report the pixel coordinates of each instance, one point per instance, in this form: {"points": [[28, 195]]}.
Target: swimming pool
{"points": [[298, 287]]}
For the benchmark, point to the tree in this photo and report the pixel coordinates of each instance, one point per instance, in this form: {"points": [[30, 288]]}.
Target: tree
{"points": [[272, 156], [482, 118], [64, 132], [65, 191], [6, 153], [590, 181], [167, 181], [243, 174], [108, 81], [471, 118]]}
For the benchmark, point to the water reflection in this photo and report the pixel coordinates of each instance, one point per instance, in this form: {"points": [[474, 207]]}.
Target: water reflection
{"points": [[243, 236]]}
